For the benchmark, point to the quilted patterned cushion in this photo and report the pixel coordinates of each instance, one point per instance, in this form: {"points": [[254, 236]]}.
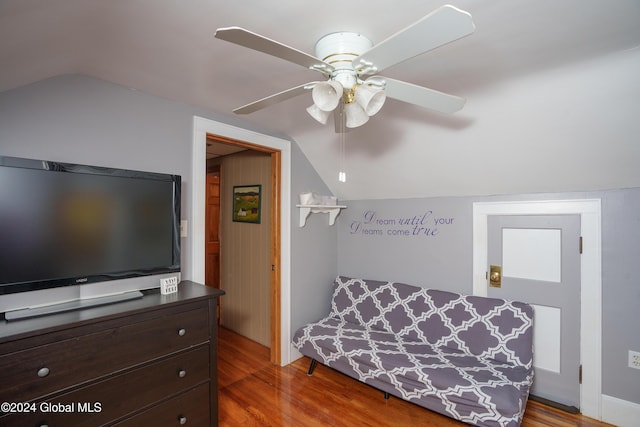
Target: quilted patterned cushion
{"points": [[485, 327], [466, 357]]}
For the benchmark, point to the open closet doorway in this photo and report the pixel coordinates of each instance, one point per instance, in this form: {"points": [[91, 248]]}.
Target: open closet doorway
{"points": [[242, 258]]}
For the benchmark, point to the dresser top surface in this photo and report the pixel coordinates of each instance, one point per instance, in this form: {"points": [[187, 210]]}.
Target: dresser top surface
{"points": [[187, 292]]}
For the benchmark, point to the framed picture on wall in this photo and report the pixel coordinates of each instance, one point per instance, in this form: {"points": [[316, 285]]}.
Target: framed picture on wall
{"points": [[246, 203]]}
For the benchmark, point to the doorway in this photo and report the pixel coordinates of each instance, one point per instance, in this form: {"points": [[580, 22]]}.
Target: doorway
{"points": [[280, 151], [589, 211], [245, 238]]}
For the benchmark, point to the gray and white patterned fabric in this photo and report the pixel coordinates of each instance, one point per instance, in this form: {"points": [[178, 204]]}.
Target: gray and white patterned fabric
{"points": [[466, 357]]}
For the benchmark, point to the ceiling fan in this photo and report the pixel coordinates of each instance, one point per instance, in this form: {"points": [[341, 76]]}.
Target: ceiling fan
{"points": [[353, 90]]}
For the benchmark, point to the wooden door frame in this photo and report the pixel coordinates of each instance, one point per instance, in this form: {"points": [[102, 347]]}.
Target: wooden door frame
{"points": [[280, 151], [590, 279]]}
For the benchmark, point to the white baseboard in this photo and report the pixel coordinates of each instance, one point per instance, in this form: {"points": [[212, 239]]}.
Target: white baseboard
{"points": [[295, 354], [620, 412]]}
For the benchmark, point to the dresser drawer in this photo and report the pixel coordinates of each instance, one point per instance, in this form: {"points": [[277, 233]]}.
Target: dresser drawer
{"points": [[120, 395], [188, 409], [38, 371]]}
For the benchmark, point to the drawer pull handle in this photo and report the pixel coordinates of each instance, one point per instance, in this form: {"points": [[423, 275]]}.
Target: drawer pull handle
{"points": [[182, 332], [182, 373], [43, 372], [182, 420], [44, 425]]}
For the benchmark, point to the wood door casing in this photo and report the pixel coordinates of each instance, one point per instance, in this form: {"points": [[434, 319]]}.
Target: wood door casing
{"points": [[212, 232]]}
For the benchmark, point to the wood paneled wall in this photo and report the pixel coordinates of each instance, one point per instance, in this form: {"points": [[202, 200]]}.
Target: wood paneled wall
{"points": [[245, 250]]}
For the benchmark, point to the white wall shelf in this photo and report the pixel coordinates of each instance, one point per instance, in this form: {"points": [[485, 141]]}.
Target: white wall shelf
{"points": [[332, 210]]}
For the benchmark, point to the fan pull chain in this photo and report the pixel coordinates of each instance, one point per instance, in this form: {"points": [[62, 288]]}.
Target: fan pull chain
{"points": [[342, 175]]}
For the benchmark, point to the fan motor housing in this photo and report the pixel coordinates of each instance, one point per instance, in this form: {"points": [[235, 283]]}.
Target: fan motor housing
{"points": [[339, 50]]}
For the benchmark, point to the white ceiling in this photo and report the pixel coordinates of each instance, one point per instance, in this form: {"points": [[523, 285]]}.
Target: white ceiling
{"points": [[552, 87]]}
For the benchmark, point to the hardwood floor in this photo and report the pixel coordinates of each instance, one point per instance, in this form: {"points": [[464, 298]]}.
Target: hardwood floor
{"points": [[253, 392]]}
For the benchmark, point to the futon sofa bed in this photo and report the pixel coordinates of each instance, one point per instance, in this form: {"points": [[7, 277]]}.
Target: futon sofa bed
{"points": [[466, 357]]}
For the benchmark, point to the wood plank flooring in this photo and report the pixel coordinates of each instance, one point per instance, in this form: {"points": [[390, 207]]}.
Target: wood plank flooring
{"points": [[253, 392]]}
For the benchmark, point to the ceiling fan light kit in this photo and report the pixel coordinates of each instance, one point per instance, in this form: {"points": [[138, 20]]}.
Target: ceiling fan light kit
{"points": [[321, 116], [326, 95], [355, 115], [350, 62], [339, 50], [370, 98]]}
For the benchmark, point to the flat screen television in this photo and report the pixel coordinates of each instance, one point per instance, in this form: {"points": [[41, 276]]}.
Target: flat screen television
{"points": [[64, 224]]}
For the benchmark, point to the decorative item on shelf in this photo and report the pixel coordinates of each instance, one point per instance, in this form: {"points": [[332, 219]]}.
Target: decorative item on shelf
{"points": [[309, 199], [313, 199], [314, 203]]}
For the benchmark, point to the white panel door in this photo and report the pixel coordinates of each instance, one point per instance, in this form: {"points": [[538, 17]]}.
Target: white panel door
{"points": [[540, 260]]}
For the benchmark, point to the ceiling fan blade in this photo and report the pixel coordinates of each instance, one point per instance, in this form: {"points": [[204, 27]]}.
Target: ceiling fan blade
{"points": [[422, 96], [274, 99], [438, 28], [254, 41]]}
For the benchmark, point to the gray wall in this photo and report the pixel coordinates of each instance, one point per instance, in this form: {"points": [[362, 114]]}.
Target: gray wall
{"points": [[439, 258], [313, 248], [442, 258], [78, 119]]}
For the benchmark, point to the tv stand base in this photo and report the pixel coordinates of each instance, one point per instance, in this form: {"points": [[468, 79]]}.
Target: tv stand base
{"points": [[24, 313]]}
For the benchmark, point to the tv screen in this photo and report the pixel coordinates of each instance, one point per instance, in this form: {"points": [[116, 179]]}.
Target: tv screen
{"points": [[65, 224]]}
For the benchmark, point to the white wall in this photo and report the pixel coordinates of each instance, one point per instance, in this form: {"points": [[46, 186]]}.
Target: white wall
{"points": [[572, 128]]}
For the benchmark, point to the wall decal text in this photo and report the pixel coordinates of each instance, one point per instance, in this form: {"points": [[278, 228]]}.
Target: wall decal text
{"points": [[424, 224]]}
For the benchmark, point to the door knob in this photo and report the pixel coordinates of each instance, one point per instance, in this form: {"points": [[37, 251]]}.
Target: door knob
{"points": [[495, 276]]}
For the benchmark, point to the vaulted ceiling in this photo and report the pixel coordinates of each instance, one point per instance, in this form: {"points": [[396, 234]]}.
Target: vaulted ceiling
{"points": [[552, 87]]}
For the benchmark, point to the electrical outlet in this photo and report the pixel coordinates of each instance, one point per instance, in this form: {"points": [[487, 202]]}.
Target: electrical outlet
{"points": [[634, 359], [169, 285]]}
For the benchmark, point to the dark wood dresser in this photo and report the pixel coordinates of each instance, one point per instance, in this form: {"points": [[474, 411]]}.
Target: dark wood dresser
{"points": [[145, 362]]}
